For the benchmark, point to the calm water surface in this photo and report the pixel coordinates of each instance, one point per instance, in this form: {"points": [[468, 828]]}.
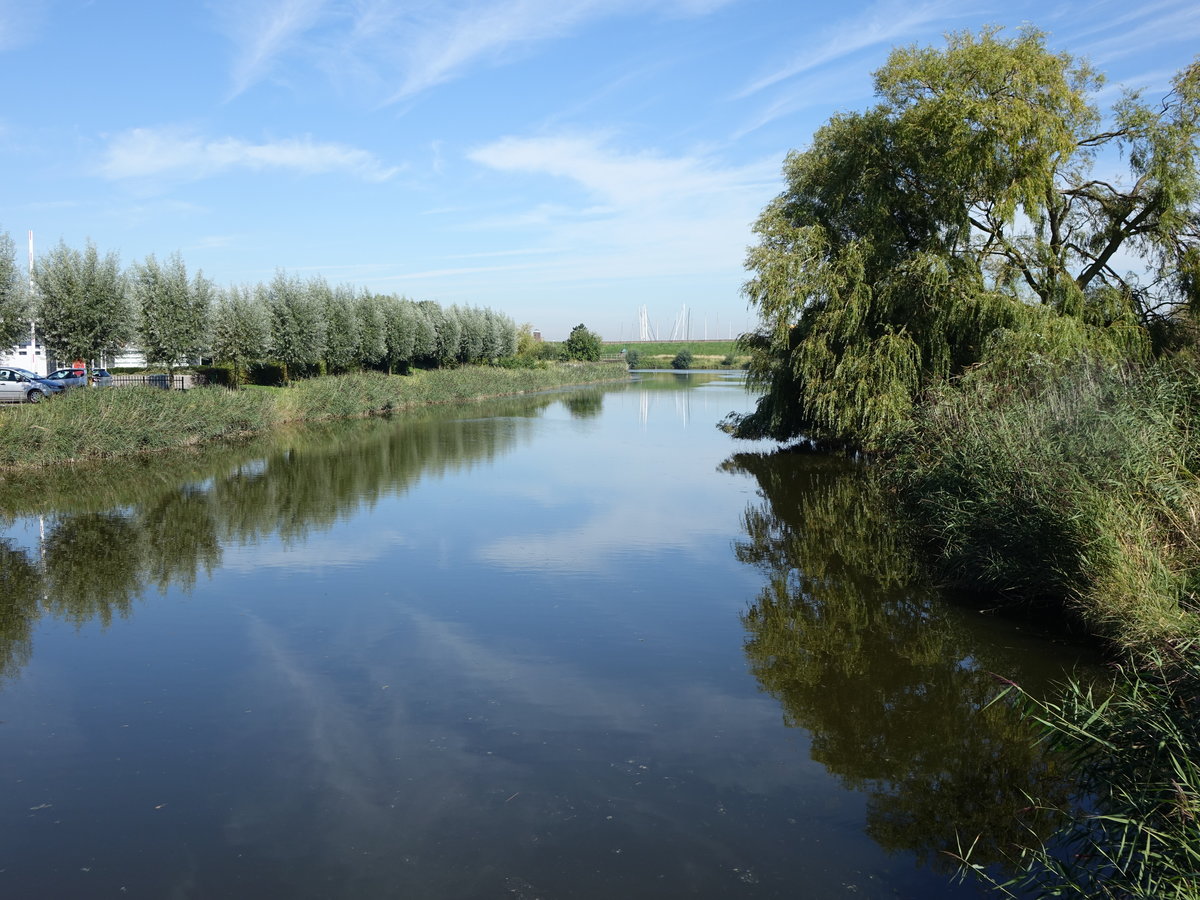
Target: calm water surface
{"points": [[574, 645]]}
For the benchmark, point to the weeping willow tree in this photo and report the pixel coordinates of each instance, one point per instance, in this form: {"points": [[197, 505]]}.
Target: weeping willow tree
{"points": [[960, 221]]}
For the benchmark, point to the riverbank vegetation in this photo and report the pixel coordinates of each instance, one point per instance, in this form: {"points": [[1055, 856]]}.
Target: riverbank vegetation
{"points": [[992, 285], [660, 354], [954, 306], [110, 422]]}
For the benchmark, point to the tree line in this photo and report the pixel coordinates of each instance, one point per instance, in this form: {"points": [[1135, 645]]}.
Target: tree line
{"points": [[86, 305]]}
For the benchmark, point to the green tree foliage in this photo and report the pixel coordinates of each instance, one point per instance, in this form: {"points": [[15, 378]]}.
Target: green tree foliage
{"points": [[372, 328], [14, 301], [425, 318], [500, 341], [472, 335], [298, 329], [582, 344], [342, 339], [446, 333], [402, 319], [82, 308], [959, 221], [524, 343], [173, 312], [683, 360], [241, 332]]}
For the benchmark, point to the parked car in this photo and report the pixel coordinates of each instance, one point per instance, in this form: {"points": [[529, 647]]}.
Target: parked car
{"points": [[69, 378], [101, 378], [23, 386]]}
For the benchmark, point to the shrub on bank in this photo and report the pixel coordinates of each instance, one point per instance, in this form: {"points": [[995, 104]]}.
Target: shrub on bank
{"points": [[221, 375], [266, 373]]}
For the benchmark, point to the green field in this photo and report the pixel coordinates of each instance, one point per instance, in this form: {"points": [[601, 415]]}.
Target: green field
{"points": [[658, 354]]}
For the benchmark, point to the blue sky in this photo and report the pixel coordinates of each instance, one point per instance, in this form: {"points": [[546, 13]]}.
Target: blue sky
{"points": [[563, 161]]}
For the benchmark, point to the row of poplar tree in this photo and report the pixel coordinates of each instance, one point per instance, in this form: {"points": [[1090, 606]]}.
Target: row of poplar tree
{"points": [[86, 305]]}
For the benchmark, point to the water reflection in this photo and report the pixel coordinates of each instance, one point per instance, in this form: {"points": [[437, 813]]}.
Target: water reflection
{"points": [[111, 531], [510, 663], [892, 683]]}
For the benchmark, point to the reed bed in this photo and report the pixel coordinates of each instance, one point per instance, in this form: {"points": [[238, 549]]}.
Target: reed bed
{"points": [[1073, 485], [1133, 831], [100, 423]]}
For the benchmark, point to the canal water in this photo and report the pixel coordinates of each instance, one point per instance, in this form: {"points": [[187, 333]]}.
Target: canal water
{"points": [[576, 645]]}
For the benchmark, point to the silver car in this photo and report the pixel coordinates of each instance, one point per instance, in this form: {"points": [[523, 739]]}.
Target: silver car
{"points": [[23, 386], [69, 378]]}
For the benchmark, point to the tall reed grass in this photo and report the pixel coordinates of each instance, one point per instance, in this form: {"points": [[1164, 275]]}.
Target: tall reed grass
{"points": [[1135, 832], [1069, 486], [97, 423]]}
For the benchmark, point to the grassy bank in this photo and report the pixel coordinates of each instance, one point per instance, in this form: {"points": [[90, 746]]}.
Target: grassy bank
{"points": [[90, 424], [1071, 489], [705, 354]]}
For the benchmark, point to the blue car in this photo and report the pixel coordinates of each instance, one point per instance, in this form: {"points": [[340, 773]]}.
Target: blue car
{"points": [[69, 378]]}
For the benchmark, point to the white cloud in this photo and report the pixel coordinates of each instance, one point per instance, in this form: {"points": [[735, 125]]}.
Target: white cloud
{"points": [[441, 47], [404, 48], [150, 152], [1179, 24], [832, 86], [624, 180], [657, 215], [264, 31], [18, 22], [883, 23]]}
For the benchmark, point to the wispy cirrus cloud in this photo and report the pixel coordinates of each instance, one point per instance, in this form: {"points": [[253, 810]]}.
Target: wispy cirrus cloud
{"points": [[626, 180], [263, 31], [169, 152], [19, 22], [883, 23], [836, 85], [643, 214], [403, 48], [1143, 29]]}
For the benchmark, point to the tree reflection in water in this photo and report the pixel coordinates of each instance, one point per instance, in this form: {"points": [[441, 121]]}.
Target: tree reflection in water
{"points": [[892, 682], [116, 529]]}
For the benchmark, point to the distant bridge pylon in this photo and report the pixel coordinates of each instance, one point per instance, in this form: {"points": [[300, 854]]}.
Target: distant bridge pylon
{"points": [[645, 333]]}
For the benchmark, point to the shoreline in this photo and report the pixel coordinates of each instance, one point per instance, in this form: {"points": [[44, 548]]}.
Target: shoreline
{"points": [[111, 423]]}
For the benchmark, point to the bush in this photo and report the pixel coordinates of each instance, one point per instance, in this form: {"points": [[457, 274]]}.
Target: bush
{"points": [[682, 360], [632, 358], [582, 344], [266, 374], [223, 375], [527, 361]]}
